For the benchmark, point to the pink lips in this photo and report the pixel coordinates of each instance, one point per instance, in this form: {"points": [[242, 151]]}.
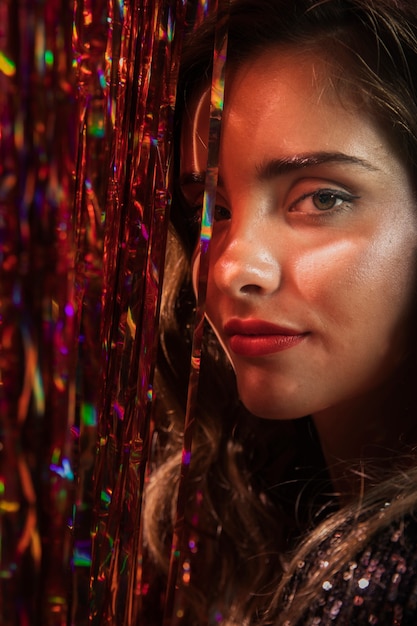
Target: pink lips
{"points": [[254, 338]]}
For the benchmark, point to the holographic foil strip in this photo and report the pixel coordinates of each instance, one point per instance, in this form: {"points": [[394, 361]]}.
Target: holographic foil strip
{"points": [[179, 574], [83, 199], [92, 66], [141, 51], [38, 311]]}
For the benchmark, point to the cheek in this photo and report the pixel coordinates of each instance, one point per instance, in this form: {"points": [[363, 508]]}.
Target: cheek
{"points": [[361, 279], [387, 267], [318, 271]]}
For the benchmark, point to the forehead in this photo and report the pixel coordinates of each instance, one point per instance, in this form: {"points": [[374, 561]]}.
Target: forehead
{"points": [[295, 89]]}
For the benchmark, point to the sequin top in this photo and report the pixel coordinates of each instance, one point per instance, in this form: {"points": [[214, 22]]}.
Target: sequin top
{"points": [[378, 588]]}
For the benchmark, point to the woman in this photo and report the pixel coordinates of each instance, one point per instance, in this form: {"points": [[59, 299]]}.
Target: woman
{"points": [[311, 294]]}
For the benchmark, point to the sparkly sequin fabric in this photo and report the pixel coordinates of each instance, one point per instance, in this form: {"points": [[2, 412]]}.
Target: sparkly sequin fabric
{"points": [[379, 587]]}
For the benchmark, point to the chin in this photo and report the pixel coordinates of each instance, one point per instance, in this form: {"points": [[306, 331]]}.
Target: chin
{"points": [[272, 400], [273, 410]]}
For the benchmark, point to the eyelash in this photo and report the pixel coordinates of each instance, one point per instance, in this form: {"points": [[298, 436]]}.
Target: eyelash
{"points": [[340, 197], [195, 218]]}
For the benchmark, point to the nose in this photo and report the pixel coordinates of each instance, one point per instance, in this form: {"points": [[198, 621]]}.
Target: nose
{"points": [[246, 265]]}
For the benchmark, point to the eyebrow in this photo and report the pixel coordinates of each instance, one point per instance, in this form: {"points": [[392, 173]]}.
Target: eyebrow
{"points": [[286, 165], [192, 178], [197, 178], [279, 167]]}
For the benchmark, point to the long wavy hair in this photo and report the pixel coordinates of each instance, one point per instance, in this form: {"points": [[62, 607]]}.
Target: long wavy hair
{"points": [[247, 485]]}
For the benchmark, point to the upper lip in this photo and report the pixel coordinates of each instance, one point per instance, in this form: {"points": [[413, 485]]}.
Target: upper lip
{"points": [[258, 327]]}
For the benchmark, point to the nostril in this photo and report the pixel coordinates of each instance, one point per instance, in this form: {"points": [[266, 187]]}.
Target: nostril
{"points": [[251, 289]]}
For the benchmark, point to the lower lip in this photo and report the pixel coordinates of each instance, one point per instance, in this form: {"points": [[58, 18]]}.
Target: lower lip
{"points": [[262, 345]]}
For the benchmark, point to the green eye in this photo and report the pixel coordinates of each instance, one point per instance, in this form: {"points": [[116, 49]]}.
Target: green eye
{"points": [[325, 200], [322, 200]]}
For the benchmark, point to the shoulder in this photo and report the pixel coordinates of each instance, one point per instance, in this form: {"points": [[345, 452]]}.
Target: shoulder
{"points": [[378, 586]]}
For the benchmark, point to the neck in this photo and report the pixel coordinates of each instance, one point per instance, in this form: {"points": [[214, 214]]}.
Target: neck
{"points": [[369, 435]]}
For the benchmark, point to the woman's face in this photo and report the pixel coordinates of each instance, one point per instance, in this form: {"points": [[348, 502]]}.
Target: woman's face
{"points": [[312, 262]]}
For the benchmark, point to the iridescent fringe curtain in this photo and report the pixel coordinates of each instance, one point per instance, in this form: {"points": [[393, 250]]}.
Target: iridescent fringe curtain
{"points": [[87, 92]]}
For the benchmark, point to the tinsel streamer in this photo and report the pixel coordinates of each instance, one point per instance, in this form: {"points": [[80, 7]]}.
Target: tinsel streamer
{"points": [[183, 545], [84, 199], [142, 53], [38, 311], [93, 66]]}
